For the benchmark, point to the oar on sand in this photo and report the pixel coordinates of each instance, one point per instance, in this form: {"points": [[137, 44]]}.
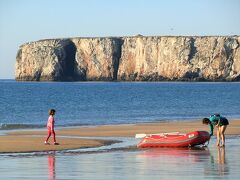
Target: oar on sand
{"points": [[160, 134]]}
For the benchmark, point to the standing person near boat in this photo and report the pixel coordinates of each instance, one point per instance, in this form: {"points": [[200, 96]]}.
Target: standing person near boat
{"points": [[220, 123], [50, 127]]}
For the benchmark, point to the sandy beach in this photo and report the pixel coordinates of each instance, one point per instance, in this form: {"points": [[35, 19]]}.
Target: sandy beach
{"points": [[32, 141]]}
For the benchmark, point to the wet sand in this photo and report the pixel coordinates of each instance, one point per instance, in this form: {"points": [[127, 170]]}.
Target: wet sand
{"points": [[21, 143], [31, 141], [154, 163]]}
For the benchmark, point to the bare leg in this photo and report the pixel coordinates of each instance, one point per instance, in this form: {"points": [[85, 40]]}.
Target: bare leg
{"points": [[218, 136], [222, 131]]}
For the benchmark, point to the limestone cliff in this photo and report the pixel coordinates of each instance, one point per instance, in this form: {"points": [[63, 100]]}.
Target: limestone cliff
{"points": [[97, 58], [46, 60], [139, 58]]}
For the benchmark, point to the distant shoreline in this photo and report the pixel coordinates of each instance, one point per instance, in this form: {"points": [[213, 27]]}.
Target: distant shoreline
{"points": [[5, 127], [117, 81]]}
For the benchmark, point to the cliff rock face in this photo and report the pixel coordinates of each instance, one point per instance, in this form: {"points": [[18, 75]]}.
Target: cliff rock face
{"points": [[97, 58], [136, 58], [51, 60]]}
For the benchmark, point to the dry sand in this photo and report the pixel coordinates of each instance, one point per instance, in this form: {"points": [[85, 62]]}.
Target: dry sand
{"points": [[24, 141]]}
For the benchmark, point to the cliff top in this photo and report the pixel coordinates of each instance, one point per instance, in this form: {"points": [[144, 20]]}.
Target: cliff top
{"points": [[120, 37]]}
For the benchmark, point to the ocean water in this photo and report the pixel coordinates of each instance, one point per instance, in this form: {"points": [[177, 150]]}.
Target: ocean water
{"points": [[26, 104], [156, 163]]}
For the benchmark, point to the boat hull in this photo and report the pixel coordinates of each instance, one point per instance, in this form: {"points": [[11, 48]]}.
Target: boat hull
{"points": [[175, 140]]}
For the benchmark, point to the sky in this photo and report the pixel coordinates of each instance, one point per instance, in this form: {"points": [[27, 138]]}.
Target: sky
{"points": [[23, 21]]}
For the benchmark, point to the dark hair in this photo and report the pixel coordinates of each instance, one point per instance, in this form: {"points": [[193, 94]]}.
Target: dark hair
{"points": [[51, 111], [205, 121]]}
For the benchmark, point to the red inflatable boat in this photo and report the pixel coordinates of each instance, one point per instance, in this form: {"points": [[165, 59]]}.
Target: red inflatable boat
{"points": [[174, 139]]}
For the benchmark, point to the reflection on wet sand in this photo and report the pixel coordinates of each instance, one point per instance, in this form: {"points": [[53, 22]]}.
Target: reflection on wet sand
{"points": [[51, 167], [193, 154], [184, 151], [221, 155], [219, 166], [174, 161], [221, 161]]}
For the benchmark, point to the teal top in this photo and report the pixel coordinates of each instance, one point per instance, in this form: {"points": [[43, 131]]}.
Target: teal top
{"points": [[213, 122]]}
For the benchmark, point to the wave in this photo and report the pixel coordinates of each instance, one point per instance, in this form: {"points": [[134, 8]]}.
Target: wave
{"points": [[12, 126], [19, 126]]}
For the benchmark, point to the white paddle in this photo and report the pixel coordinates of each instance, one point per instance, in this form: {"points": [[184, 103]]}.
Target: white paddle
{"points": [[160, 134]]}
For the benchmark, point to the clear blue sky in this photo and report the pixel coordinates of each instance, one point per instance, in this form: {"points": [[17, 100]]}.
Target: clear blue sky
{"points": [[22, 21]]}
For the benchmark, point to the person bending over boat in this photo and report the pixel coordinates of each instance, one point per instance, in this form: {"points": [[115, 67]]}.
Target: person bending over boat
{"points": [[220, 123]]}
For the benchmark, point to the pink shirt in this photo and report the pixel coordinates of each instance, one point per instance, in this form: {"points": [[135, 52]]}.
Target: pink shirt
{"points": [[50, 123]]}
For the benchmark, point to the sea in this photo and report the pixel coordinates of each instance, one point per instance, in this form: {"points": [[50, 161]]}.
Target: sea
{"points": [[26, 104]]}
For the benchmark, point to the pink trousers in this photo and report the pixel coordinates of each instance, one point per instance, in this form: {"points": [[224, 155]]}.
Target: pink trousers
{"points": [[51, 132]]}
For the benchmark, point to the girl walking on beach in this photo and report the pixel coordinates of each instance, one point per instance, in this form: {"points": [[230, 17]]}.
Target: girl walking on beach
{"points": [[50, 127], [221, 124]]}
